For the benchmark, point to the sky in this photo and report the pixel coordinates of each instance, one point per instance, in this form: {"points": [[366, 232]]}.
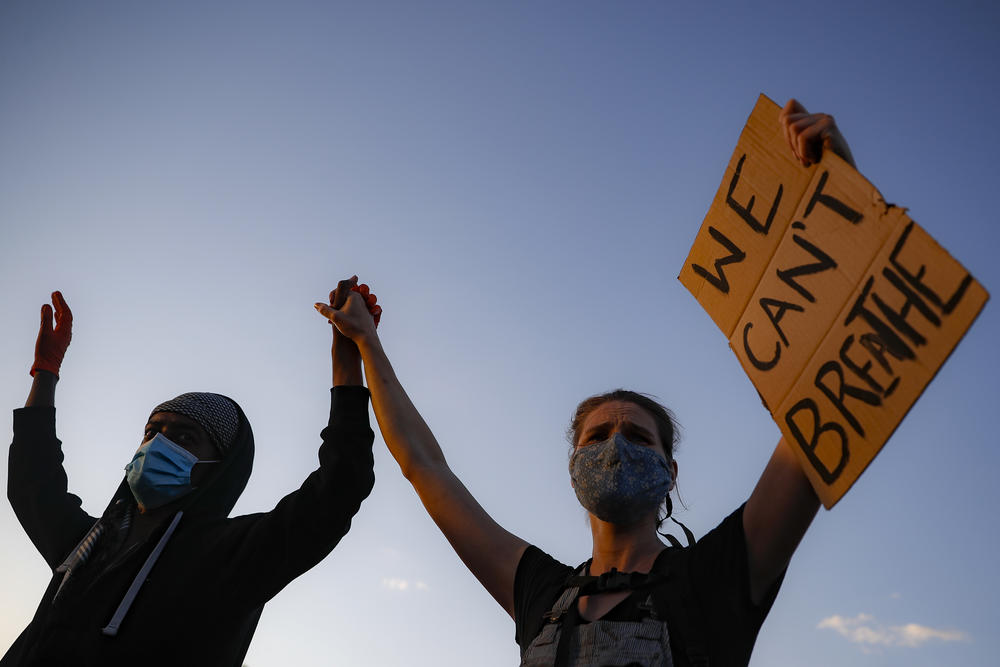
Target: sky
{"points": [[520, 183]]}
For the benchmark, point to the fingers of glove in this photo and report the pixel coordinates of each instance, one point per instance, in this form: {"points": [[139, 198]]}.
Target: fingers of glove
{"points": [[64, 316], [46, 324], [370, 298], [377, 314]]}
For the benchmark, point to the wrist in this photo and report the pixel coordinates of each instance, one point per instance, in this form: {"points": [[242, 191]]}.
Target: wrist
{"points": [[44, 371], [43, 390], [368, 345]]}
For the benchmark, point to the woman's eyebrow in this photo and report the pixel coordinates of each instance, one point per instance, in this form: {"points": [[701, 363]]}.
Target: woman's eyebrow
{"points": [[596, 429], [634, 429]]}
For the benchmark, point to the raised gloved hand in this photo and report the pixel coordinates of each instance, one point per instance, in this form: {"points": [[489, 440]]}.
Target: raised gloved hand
{"points": [[370, 301], [50, 348]]}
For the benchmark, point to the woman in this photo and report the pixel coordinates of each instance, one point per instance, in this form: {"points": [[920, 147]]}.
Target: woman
{"points": [[700, 605]]}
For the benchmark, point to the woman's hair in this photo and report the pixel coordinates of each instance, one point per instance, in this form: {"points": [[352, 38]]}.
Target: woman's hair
{"points": [[666, 426]]}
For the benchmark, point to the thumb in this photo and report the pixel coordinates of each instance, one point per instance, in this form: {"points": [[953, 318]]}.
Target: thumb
{"points": [[330, 313], [326, 310]]}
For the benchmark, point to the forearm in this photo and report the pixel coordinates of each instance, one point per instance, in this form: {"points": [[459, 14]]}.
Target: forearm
{"points": [[37, 485], [267, 550], [43, 390], [346, 361], [406, 434], [776, 517]]}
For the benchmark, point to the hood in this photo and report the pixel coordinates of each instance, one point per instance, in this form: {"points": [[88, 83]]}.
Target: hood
{"points": [[216, 498]]}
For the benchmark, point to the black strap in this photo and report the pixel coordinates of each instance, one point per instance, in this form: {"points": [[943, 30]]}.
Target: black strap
{"points": [[674, 542], [613, 581], [687, 532], [569, 621]]}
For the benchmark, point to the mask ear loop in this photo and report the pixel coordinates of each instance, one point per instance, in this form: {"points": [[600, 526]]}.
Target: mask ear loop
{"points": [[674, 542]]}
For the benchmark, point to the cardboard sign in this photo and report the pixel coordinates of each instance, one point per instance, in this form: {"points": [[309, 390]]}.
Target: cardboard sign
{"points": [[839, 307]]}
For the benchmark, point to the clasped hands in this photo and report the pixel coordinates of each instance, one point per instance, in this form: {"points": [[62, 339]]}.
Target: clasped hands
{"points": [[353, 309]]}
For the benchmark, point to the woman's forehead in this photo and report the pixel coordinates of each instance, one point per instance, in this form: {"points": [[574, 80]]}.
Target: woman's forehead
{"points": [[618, 412]]}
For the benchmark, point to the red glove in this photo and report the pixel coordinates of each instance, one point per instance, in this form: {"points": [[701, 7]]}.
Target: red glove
{"points": [[50, 348], [370, 301]]}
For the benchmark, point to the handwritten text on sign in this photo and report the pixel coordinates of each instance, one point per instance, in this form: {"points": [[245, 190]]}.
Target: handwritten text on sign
{"points": [[839, 307]]}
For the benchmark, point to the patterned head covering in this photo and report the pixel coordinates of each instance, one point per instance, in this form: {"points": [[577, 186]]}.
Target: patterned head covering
{"points": [[213, 412]]}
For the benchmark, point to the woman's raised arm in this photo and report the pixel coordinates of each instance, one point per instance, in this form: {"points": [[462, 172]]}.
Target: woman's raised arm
{"points": [[487, 549], [783, 503]]}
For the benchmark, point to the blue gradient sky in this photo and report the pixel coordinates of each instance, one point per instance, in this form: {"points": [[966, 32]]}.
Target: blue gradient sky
{"points": [[520, 182]]}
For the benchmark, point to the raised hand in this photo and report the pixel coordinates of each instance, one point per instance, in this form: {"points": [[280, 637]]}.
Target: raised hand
{"points": [[50, 348], [355, 315], [809, 134]]}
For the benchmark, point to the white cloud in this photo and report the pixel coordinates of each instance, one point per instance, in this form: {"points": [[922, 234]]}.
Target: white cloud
{"points": [[865, 630], [402, 585]]}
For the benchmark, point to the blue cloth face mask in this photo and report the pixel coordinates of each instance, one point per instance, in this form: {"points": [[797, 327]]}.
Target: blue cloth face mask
{"points": [[618, 481], [160, 472]]}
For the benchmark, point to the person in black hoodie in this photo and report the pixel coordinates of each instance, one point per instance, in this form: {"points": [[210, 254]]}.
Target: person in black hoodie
{"points": [[164, 576]]}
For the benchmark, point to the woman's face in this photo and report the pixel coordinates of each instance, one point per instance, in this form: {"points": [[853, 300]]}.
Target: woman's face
{"points": [[637, 425]]}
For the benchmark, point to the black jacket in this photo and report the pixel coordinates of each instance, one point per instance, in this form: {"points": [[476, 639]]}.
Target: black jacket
{"points": [[200, 602]]}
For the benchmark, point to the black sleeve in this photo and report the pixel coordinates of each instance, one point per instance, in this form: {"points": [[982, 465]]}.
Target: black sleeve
{"points": [[37, 486], [537, 583], [720, 581], [268, 550]]}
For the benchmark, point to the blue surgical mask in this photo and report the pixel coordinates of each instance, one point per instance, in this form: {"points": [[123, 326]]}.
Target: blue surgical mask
{"points": [[160, 472], [618, 481]]}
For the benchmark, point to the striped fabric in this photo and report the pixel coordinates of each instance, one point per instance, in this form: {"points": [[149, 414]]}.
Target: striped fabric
{"points": [[83, 551]]}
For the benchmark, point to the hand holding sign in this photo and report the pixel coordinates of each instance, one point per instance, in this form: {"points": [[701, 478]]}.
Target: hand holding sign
{"points": [[839, 307], [809, 134]]}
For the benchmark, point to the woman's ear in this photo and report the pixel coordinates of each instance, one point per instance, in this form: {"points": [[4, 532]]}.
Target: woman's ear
{"points": [[673, 474]]}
